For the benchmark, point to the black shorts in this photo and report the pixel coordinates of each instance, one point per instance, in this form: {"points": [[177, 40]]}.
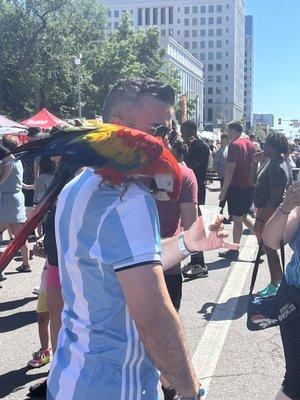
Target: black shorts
{"points": [[239, 200], [290, 335], [28, 194], [174, 285]]}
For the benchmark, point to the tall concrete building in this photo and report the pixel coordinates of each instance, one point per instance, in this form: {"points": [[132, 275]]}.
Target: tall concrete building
{"points": [[249, 63], [213, 31]]}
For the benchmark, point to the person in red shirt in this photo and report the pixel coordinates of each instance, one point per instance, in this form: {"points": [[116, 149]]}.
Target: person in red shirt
{"points": [[238, 187]]}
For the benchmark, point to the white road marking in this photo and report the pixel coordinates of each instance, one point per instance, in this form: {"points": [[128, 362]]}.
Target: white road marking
{"points": [[210, 347]]}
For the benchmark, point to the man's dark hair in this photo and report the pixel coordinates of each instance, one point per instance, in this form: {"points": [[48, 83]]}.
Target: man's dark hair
{"points": [[127, 92], [278, 141], [11, 143], [32, 131], [235, 126], [252, 137], [189, 127], [224, 136]]}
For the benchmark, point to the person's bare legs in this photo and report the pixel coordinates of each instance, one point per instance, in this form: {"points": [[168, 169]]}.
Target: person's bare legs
{"points": [[25, 248], [43, 322], [282, 396], [55, 306], [237, 229], [274, 265], [248, 221]]}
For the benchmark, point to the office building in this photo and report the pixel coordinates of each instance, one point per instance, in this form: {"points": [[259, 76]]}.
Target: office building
{"points": [[249, 63]]}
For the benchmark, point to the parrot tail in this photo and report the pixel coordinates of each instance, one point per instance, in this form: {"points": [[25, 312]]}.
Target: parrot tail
{"points": [[63, 174]]}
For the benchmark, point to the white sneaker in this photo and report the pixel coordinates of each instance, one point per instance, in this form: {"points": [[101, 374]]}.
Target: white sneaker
{"points": [[36, 290]]}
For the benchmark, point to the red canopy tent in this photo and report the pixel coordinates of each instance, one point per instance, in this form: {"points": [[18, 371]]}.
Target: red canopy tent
{"points": [[44, 120]]}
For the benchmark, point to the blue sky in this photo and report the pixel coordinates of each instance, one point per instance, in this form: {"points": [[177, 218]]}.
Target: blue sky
{"points": [[277, 57]]}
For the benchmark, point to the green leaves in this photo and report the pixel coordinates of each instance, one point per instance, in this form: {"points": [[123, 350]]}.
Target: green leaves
{"points": [[39, 40]]}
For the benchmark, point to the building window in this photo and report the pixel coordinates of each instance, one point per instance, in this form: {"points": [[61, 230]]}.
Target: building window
{"points": [[219, 32], [194, 45], [186, 45], [116, 25], [140, 16], [210, 67], [171, 15], [219, 8], [195, 33], [109, 13], [218, 91], [178, 9], [219, 44], [202, 56], [218, 67], [210, 78], [123, 11], [210, 21], [171, 33], [210, 32], [186, 10], [210, 44], [227, 42], [227, 6], [195, 9], [155, 16], [147, 16], [219, 55], [186, 22], [209, 101], [194, 21], [178, 33], [178, 20], [202, 32], [109, 25], [226, 65], [186, 33], [211, 9], [195, 55], [203, 9], [210, 90], [202, 45], [219, 20], [116, 13], [202, 21], [210, 56], [163, 15], [209, 114], [218, 78]]}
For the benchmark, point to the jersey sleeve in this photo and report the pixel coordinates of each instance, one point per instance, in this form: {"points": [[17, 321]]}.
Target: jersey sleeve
{"points": [[130, 234]]}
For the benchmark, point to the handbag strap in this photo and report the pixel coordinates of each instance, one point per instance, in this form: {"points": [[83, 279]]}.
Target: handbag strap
{"points": [[257, 261]]}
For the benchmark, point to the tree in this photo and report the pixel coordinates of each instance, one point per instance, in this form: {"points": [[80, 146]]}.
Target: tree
{"points": [[39, 40]]}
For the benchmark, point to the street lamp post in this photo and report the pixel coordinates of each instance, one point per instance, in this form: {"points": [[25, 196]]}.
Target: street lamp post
{"points": [[77, 62]]}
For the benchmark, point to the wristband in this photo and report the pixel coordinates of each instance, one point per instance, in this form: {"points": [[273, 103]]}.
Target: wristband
{"points": [[182, 246], [200, 393], [282, 210]]}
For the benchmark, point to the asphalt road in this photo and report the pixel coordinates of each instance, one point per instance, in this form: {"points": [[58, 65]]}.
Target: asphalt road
{"points": [[231, 362]]}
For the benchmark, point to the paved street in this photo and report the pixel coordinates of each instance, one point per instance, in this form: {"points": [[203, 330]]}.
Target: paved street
{"points": [[232, 363]]}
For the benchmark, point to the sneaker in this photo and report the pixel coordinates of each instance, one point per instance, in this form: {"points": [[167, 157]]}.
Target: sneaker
{"points": [[230, 254], [196, 271], [170, 394], [36, 290], [268, 291], [40, 358], [38, 390], [227, 221]]}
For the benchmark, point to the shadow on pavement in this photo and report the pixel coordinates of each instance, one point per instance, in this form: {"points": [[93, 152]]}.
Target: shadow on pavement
{"points": [[12, 305], [14, 380], [240, 310], [15, 321]]}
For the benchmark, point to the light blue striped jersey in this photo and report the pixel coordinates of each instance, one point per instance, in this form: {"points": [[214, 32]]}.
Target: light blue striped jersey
{"points": [[101, 230], [292, 274]]}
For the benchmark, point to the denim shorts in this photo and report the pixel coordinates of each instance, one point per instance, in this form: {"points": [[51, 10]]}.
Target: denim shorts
{"points": [[290, 335]]}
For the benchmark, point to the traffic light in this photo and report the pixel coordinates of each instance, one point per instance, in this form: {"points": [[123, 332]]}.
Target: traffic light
{"points": [[279, 121]]}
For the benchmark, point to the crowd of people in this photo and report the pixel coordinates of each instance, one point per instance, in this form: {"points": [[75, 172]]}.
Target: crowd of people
{"points": [[111, 287]]}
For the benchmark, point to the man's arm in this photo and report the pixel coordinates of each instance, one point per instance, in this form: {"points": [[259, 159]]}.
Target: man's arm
{"points": [[230, 168], [158, 325], [189, 214]]}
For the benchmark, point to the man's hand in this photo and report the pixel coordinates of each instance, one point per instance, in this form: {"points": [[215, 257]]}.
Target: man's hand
{"points": [[38, 248], [196, 239]]}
